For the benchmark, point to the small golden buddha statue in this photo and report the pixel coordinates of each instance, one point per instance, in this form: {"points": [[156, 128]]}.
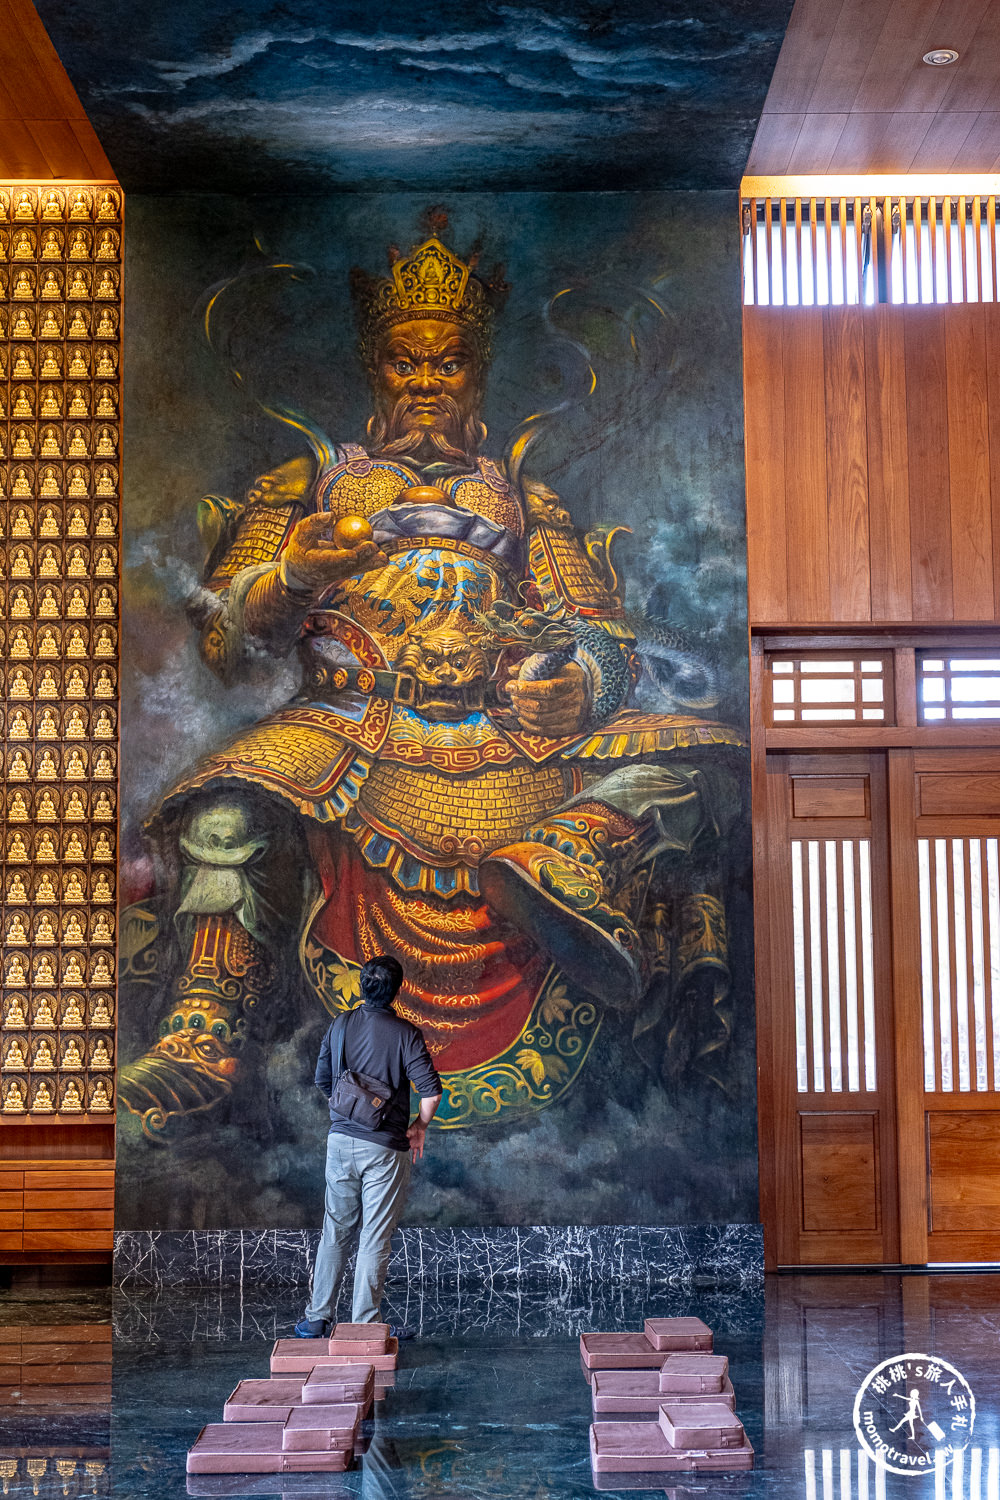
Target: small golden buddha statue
{"points": [[44, 1013], [103, 849], [48, 562], [106, 369], [76, 683], [24, 245], [79, 324], [23, 289], [105, 607], [15, 1059], [76, 565], [75, 810], [24, 204], [24, 324], [16, 976], [48, 685], [48, 725], [73, 928], [70, 1104], [79, 362], [72, 969], [104, 524], [24, 365], [72, 1014], [79, 405], [107, 402], [74, 846], [20, 645], [79, 284], [17, 932], [45, 809], [50, 487], [14, 1015], [104, 807], [19, 684], [20, 523], [107, 443], [48, 525], [104, 765], [100, 1096], [51, 286], [107, 563], [72, 1054], [101, 971], [101, 932], [100, 1057], [52, 204], [17, 725], [41, 1102], [103, 892], [13, 1097], [48, 642], [107, 287], [20, 605], [76, 605], [51, 363], [45, 933], [24, 443], [24, 405], [100, 1011], [47, 771], [18, 768], [51, 445], [107, 245], [77, 523], [17, 893], [107, 481], [51, 325], [73, 887], [51, 402], [44, 972], [79, 245], [75, 727], [52, 245], [17, 812], [45, 891], [77, 443], [79, 208], [107, 205], [17, 849], [76, 642], [104, 642]]}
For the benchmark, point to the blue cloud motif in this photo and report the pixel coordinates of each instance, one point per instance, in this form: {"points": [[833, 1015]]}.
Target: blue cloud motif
{"points": [[501, 90]]}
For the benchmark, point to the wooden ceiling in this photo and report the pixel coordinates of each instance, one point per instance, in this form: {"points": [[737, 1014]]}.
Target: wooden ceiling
{"points": [[44, 132], [851, 94]]}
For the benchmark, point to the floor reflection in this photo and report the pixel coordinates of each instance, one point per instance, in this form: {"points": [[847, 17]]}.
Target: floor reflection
{"points": [[489, 1402]]}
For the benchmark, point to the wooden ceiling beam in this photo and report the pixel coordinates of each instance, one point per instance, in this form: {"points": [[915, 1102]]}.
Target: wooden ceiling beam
{"points": [[44, 130]]}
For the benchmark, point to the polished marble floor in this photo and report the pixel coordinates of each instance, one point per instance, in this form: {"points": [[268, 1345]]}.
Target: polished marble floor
{"points": [[489, 1402]]}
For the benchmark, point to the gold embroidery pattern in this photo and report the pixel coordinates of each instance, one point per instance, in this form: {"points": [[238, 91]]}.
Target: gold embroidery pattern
{"points": [[259, 539], [449, 819]]}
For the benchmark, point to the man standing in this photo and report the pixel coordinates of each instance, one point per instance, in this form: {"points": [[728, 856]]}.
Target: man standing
{"points": [[368, 1169]]}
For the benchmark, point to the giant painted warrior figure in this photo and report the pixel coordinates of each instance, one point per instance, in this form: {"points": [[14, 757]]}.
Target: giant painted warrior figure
{"points": [[461, 780]]}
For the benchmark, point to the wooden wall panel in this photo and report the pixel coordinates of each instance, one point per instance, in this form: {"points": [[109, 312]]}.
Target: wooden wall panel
{"points": [[873, 463]]}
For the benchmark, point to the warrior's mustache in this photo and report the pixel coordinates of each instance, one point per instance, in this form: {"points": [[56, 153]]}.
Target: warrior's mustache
{"points": [[395, 434]]}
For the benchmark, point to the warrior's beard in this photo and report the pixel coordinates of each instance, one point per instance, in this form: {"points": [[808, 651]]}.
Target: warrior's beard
{"points": [[395, 434]]}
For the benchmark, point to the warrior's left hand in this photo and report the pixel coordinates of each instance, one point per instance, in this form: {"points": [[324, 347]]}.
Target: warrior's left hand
{"points": [[552, 706]]}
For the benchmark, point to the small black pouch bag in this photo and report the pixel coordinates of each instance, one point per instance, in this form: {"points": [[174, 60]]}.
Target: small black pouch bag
{"points": [[357, 1096]]}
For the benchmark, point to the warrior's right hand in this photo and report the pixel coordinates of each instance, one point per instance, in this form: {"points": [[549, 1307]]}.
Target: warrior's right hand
{"points": [[313, 560]]}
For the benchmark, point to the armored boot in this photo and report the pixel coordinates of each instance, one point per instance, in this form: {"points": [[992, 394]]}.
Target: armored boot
{"points": [[568, 885], [222, 921]]}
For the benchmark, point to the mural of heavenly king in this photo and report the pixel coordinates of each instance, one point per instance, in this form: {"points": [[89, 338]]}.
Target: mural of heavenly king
{"points": [[460, 781]]}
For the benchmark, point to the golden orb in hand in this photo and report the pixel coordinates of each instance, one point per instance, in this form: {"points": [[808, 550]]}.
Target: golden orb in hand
{"points": [[351, 531]]}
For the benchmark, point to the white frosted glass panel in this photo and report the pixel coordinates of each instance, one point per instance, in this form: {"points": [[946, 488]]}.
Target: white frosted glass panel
{"points": [[799, 961], [867, 962], [961, 980], [816, 969], [926, 964], [833, 966]]}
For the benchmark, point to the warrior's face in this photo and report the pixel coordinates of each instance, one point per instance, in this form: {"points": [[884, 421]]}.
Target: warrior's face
{"points": [[428, 389]]}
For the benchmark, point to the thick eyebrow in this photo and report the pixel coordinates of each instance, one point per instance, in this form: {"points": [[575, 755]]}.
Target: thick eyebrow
{"points": [[398, 350]]}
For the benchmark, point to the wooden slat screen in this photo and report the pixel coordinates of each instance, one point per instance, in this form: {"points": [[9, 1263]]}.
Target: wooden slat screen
{"points": [[820, 252]]}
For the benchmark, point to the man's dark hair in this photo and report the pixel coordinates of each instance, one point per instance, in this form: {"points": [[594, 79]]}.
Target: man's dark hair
{"points": [[380, 979]]}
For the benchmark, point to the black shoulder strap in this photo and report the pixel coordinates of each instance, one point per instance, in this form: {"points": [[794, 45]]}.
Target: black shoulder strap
{"points": [[340, 1027]]}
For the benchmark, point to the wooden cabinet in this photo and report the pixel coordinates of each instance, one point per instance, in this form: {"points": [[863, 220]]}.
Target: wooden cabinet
{"points": [[56, 1209]]}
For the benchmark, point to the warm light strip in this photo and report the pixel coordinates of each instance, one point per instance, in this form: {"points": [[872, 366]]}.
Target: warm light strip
{"points": [[901, 184]]}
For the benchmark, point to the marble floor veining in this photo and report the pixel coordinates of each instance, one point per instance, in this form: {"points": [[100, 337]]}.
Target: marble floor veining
{"points": [[489, 1401]]}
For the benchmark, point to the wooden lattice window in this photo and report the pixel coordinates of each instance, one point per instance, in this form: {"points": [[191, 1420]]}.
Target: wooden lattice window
{"points": [[958, 687], [828, 688]]}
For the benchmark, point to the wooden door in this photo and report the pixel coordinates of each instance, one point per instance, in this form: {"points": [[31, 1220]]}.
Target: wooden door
{"points": [[945, 860], [828, 1158]]}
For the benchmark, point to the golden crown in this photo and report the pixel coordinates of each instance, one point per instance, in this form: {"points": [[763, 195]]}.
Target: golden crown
{"points": [[431, 282]]}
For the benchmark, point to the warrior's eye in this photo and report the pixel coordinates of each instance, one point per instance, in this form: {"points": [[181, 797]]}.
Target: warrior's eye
{"points": [[403, 367], [451, 367], [430, 661]]}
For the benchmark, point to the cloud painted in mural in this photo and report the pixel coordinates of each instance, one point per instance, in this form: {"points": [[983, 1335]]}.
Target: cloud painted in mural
{"points": [[571, 96]]}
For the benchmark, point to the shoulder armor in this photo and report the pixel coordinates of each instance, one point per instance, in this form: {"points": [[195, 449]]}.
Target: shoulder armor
{"points": [[259, 538]]}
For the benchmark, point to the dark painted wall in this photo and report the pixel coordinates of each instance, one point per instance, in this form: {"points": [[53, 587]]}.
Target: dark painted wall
{"points": [[644, 1135]]}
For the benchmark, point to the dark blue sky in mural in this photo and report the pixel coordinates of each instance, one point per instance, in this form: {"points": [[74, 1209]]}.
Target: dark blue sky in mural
{"points": [[308, 97]]}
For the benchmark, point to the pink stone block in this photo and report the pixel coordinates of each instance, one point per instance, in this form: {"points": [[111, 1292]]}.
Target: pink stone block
{"points": [[636, 1393], [672, 1334], [624, 1447], [313, 1429], [329, 1384], [705, 1424], [262, 1400], [702, 1374], [255, 1448], [292, 1356], [359, 1338], [618, 1351]]}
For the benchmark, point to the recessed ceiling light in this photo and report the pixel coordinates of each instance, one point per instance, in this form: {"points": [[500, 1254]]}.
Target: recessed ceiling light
{"points": [[940, 57]]}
